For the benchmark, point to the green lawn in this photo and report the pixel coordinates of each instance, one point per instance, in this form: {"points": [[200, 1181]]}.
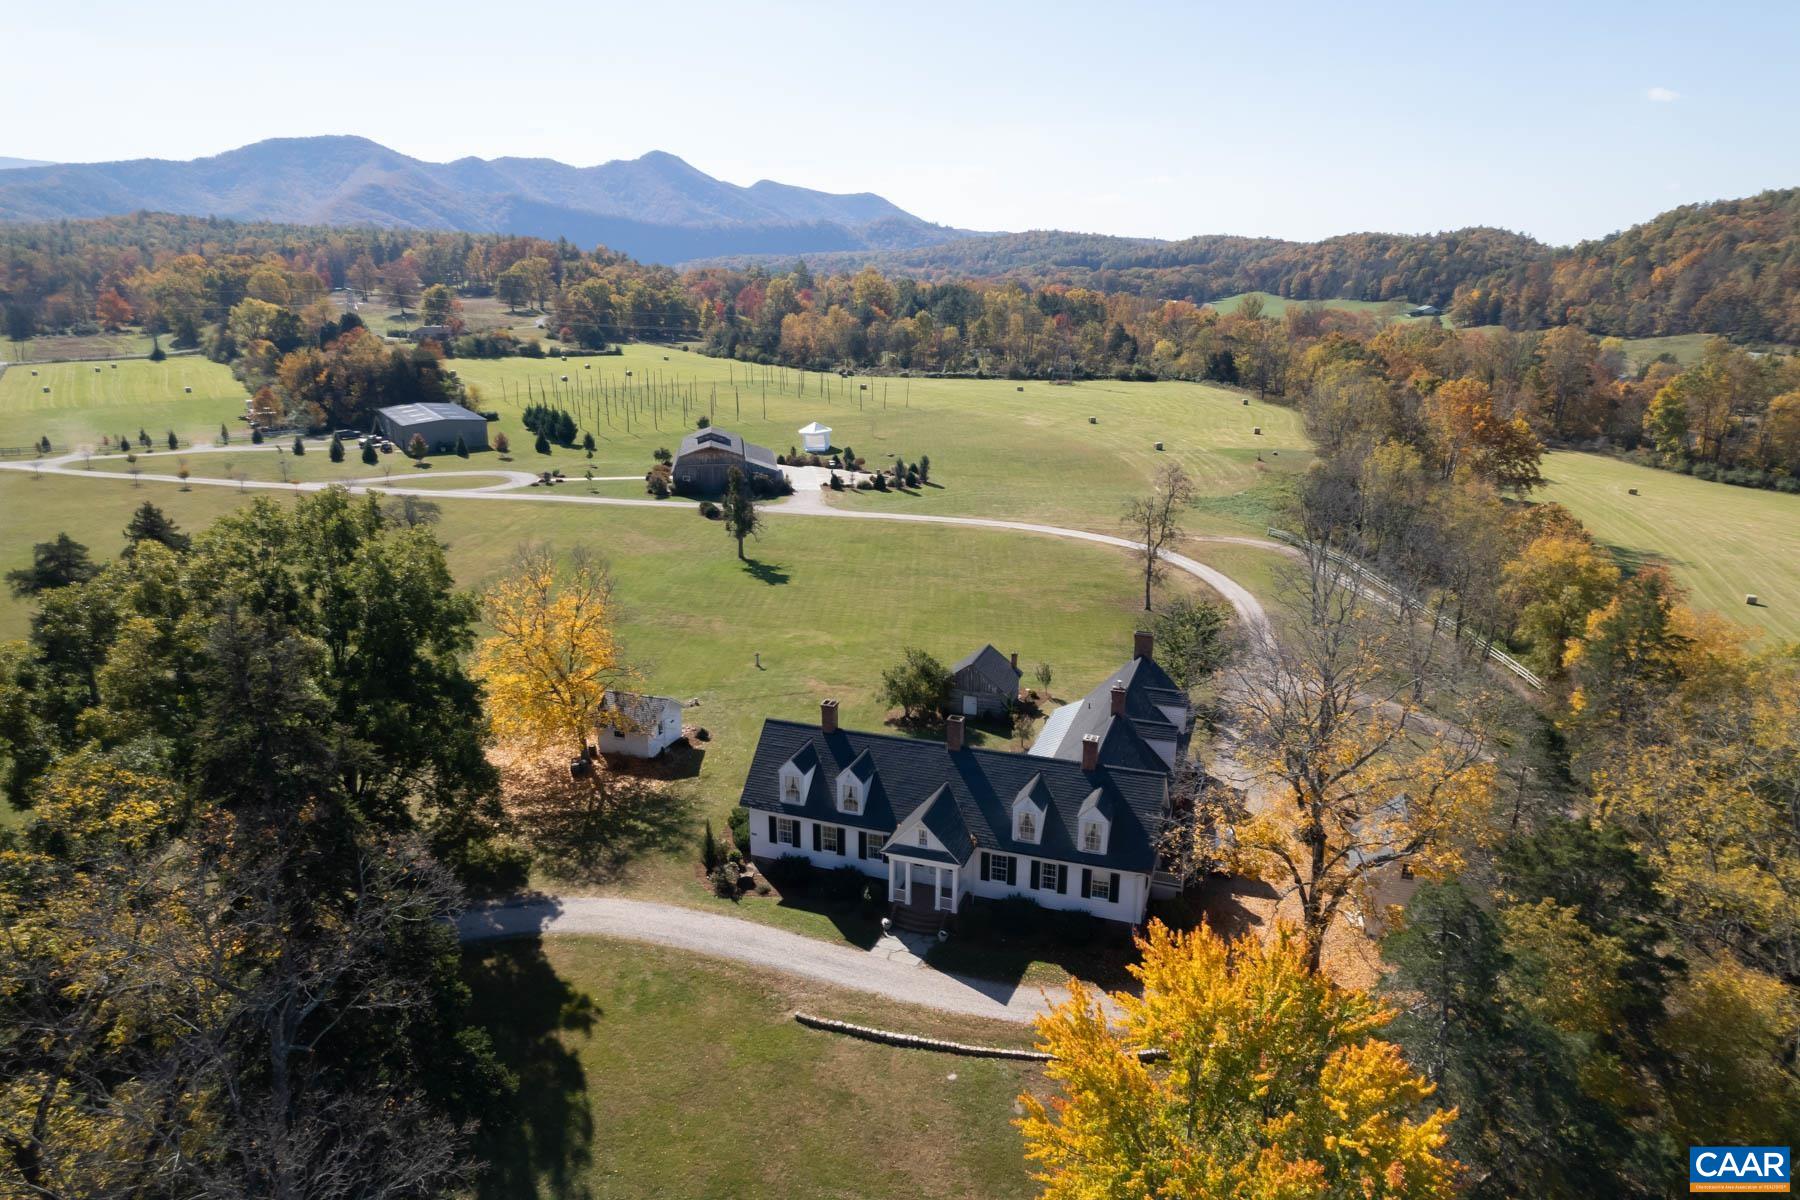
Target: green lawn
{"points": [[1277, 306], [997, 448], [827, 605], [648, 1073], [1722, 542], [90, 400]]}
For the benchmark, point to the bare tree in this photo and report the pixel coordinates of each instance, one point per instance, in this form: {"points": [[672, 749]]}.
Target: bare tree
{"points": [[1155, 520], [1351, 777]]}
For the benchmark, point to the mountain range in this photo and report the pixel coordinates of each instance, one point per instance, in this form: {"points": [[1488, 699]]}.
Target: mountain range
{"points": [[656, 208]]}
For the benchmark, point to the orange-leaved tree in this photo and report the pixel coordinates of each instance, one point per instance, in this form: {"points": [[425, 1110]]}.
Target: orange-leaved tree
{"points": [[1269, 1086]]}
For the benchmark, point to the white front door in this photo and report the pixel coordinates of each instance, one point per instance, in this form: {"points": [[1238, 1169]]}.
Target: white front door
{"points": [[970, 707]]}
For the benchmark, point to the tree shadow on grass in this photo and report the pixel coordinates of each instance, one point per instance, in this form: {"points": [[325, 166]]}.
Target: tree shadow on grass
{"points": [[543, 1131], [590, 835], [763, 572]]}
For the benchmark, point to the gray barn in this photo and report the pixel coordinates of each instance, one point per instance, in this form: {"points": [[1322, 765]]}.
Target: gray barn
{"points": [[439, 424], [707, 456]]}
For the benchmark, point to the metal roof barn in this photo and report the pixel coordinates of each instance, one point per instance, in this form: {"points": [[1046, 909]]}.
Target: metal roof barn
{"points": [[439, 424]]}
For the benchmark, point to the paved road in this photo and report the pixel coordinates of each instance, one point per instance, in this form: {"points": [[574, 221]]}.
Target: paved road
{"points": [[903, 979]]}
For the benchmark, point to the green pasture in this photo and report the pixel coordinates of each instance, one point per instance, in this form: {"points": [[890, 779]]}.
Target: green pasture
{"points": [[649, 1073], [125, 343], [1277, 306], [89, 400], [1723, 543], [1020, 450]]}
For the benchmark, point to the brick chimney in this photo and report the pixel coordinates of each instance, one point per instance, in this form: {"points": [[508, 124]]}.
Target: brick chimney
{"points": [[828, 716], [1090, 752], [1118, 695], [1015, 660], [953, 733], [1142, 643]]}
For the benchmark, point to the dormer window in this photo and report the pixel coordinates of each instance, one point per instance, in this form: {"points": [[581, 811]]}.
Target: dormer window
{"points": [[1027, 827], [851, 803], [792, 793], [923, 840], [1090, 839]]}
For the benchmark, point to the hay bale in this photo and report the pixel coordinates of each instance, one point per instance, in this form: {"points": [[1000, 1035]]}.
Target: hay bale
{"points": [[1093, 420], [1631, 491], [1246, 402], [1159, 445], [1257, 431], [1019, 389], [188, 390], [1752, 601]]}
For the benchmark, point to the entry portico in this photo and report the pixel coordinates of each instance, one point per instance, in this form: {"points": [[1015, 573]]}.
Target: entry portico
{"points": [[923, 871]]}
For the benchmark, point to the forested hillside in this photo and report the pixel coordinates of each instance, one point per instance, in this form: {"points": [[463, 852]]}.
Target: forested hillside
{"points": [[1731, 268]]}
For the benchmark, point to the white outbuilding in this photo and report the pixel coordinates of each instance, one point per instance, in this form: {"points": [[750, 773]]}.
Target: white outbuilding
{"points": [[818, 438]]}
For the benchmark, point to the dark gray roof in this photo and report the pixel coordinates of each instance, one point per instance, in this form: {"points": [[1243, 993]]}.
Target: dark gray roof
{"points": [[714, 438], [992, 666], [1124, 743], [981, 783], [418, 414]]}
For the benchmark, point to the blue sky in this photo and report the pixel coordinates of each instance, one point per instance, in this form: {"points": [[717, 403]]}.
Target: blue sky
{"points": [[1288, 119]]}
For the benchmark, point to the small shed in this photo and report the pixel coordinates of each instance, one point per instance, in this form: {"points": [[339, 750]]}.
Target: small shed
{"points": [[439, 424], [984, 683], [636, 725], [817, 438]]}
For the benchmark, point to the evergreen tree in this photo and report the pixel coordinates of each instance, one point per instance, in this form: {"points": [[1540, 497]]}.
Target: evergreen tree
{"points": [[543, 444], [299, 446], [336, 451], [462, 447], [256, 435], [369, 456], [55, 564], [150, 524], [174, 442]]}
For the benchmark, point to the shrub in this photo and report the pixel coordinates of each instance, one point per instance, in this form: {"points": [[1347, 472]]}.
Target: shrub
{"points": [[844, 885], [709, 510], [710, 857], [703, 423], [725, 881], [881, 483], [738, 821], [792, 873], [501, 445]]}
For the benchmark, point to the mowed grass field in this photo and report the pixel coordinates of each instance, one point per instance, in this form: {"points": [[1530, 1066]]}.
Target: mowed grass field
{"points": [[89, 400], [1277, 306], [997, 448], [645, 1073], [827, 604], [1721, 542]]}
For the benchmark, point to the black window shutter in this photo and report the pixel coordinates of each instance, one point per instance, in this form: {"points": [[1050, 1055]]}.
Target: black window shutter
{"points": [[774, 830], [862, 844], [1035, 870], [986, 867], [1114, 894], [1087, 883], [815, 835]]}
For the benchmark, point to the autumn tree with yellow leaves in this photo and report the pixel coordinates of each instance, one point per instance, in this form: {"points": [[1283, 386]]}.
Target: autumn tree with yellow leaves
{"points": [[1269, 1084], [554, 651]]}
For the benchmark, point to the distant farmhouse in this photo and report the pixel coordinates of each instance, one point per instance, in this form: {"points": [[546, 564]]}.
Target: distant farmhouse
{"points": [[942, 822], [985, 684], [707, 456], [439, 424], [636, 725], [433, 333]]}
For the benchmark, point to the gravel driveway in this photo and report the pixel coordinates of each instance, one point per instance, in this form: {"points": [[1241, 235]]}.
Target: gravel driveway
{"points": [[719, 936]]}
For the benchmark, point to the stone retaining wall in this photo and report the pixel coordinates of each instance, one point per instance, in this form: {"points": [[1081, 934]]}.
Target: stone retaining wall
{"points": [[913, 1041]]}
